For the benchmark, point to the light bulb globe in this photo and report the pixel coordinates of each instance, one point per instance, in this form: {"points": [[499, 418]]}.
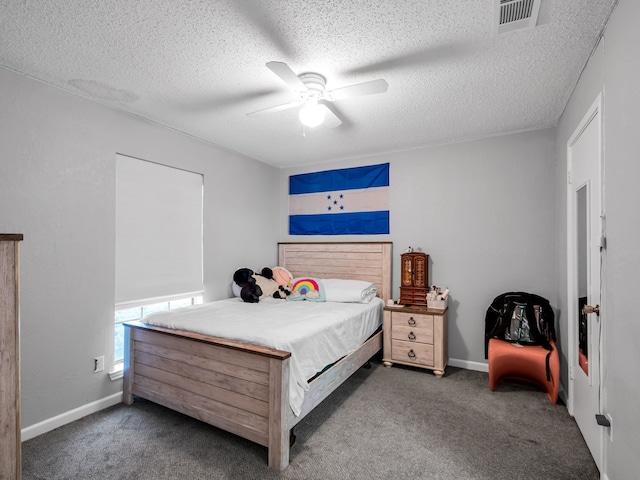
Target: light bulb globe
{"points": [[312, 114]]}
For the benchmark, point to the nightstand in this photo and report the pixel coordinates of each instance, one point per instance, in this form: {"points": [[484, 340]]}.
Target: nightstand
{"points": [[415, 336]]}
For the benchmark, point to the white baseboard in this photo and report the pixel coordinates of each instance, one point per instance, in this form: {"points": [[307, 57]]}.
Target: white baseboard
{"points": [[478, 366], [93, 407], [70, 416]]}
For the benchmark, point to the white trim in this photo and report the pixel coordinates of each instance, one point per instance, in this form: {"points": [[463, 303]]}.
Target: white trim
{"points": [[118, 371], [468, 365], [594, 110], [70, 416], [143, 302]]}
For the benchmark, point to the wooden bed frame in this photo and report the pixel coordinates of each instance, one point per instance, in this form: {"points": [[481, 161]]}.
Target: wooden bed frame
{"points": [[244, 388]]}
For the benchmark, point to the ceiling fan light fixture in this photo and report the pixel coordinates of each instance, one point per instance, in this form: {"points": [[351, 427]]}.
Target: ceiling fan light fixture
{"points": [[313, 97], [312, 114]]}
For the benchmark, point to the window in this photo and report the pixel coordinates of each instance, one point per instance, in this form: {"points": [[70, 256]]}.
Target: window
{"points": [[136, 313], [158, 241]]}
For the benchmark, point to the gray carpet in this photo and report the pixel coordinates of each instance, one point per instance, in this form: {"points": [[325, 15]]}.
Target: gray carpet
{"points": [[396, 423]]}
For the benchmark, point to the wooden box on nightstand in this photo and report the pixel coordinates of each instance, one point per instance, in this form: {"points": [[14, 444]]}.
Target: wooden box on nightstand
{"points": [[414, 278], [415, 336]]}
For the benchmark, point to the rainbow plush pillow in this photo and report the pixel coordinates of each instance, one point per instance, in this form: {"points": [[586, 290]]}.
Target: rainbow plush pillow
{"points": [[307, 288]]}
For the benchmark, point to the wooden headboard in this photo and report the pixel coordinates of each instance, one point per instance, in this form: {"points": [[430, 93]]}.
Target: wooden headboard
{"points": [[369, 261]]}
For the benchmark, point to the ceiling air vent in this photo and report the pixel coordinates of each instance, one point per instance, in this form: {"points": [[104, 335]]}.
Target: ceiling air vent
{"points": [[515, 15]]}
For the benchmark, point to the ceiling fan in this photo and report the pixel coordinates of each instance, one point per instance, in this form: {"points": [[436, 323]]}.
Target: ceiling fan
{"points": [[314, 98]]}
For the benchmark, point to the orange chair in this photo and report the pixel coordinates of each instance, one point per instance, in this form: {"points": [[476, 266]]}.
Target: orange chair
{"points": [[526, 363]]}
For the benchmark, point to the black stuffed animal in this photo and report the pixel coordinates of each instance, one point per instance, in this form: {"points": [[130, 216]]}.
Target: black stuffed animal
{"points": [[250, 292], [267, 284], [253, 287]]}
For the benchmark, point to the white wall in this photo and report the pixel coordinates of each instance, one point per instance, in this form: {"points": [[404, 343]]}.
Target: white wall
{"points": [[622, 202], [57, 187], [483, 210], [614, 69]]}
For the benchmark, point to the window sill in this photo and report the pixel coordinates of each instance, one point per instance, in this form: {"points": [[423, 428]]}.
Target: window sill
{"points": [[117, 373]]}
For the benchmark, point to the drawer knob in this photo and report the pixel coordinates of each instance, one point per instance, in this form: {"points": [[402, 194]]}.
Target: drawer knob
{"points": [[411, 322], [411, 355], [411, 336]]}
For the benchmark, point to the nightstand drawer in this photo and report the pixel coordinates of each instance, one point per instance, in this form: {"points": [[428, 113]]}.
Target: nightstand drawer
{"points": [[411, 352], [412, 320], [412, 334]]}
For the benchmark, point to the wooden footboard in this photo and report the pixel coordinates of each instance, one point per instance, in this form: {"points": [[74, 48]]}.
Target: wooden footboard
{"points": [[241, 388]]}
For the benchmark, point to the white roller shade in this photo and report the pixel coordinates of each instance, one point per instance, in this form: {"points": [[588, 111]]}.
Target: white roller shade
{"points": [[158, 231]]}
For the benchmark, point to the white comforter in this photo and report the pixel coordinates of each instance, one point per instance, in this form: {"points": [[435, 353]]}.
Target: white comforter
{"points": [[316, 333]]}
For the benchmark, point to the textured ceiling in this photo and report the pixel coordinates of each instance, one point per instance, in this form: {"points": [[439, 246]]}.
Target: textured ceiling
{"points": [[199, 66]]}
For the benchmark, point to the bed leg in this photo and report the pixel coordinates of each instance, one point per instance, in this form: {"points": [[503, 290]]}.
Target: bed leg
{"points": [[278, 418], [367, 365]]}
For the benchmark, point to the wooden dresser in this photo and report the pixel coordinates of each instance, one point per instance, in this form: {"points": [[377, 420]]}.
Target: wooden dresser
{"points": [[415, 336], [10, 448]]}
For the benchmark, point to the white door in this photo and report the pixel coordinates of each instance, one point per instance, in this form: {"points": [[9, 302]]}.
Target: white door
{"points": [[585, 239]]}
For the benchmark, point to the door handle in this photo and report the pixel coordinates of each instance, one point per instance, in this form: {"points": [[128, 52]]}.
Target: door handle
{"points": [[587, 309]]}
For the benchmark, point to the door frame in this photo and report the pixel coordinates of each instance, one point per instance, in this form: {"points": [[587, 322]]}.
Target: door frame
{"points": [[596, 109]]}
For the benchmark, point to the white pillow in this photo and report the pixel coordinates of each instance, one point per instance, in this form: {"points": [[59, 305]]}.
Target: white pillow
{"points": [[349, 291]]}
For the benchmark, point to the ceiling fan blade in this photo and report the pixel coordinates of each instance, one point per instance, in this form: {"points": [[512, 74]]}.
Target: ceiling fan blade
{"points": [[287, 75], [262, 18], [427, 57], [359, 89], [277, 108], [331, 119]]}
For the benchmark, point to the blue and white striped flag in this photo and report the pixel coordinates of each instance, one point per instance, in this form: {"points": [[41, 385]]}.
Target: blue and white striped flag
{"points": [[349, 201]]}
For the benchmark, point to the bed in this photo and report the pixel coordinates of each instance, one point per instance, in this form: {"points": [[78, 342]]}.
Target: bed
{"points": [[241, 387]]}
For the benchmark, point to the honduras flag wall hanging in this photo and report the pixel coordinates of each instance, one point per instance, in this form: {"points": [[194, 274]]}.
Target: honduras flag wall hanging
{"points": [[349, 201]]}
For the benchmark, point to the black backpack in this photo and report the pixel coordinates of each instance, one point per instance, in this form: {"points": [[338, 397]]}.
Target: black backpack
{"points": [[520, 317]]}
